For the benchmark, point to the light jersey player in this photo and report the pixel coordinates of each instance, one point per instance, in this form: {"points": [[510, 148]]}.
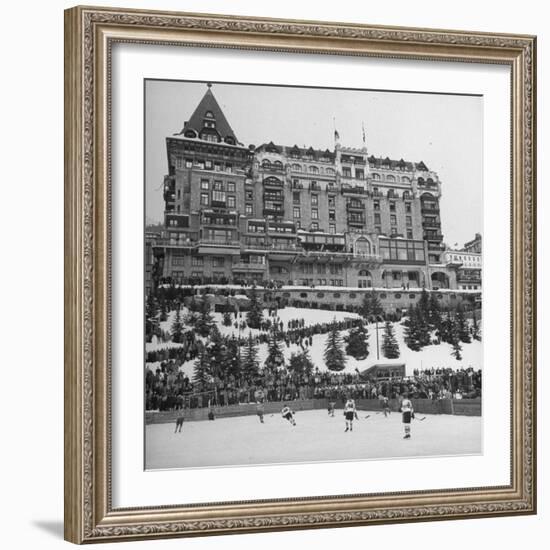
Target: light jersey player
{"points": [[288, 414], [259, 396], [349, 413], [386, 406], [408, 413]]}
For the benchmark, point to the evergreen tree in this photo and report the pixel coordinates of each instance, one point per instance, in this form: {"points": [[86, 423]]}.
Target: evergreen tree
{"points": [[151, 313], [371, 307], [300, 363], [446, 328], [357, 344], [217, 352], [275, 358], [334, 356], [411, 332], [254, 317], [232, 361], [177, 328], [201, 369], [475, 327], [424, 302], [249, 360], [462, 325], [454, 339], [204, 322], [423, 327], [163, 311], [227, 318], [434, 312], [390, 347]]}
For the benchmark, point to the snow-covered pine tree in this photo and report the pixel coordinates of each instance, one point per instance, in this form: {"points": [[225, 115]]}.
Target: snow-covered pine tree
{"points": [[390, 347], [201, 369], [254, 316], [249, 360], [454, 340], [334, 356], [205, 321], [411, 329], [434, 311], [300, 363], [151, 316], [462, 325], [475, 327], [177, 328], [275, 358], [424, 302], [357, 345], [371, 307]]}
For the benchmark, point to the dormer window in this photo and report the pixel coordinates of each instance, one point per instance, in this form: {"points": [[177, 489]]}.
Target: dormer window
{"points": [[209, 123], [209, 114]]}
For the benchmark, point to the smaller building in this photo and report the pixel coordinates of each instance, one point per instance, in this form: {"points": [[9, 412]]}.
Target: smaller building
{"points": [[467, 263], [385, 371]]}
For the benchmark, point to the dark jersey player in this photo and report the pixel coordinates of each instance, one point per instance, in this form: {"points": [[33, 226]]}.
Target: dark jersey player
{"points": [[260, 403], [179, 423]]}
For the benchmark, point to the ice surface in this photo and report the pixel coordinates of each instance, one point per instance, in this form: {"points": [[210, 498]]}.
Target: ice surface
{"points": [[316, 438]]}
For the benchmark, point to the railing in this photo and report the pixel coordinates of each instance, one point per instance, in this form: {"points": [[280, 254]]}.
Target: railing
{"points": [[219, 242], [348, 189], [274, 183], [430, 209], [431, 224], [437, 237], [273, 211], [355, 206], [249, 266]]}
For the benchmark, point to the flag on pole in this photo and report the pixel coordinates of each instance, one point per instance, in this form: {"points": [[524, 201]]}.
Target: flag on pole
{"points": [[364, 137], [336, 135]]}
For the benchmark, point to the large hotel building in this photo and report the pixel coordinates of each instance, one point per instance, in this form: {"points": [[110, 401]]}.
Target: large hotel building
{"points": [[295, 216]]}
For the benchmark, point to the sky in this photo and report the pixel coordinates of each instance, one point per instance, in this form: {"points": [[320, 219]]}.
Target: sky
{"points": [[444, 131]]}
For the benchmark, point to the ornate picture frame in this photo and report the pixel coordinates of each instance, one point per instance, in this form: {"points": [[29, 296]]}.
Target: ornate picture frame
{"points": [[90, 34]]}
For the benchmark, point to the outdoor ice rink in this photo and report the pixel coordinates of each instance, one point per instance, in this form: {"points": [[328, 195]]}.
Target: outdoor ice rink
{"points": [[316, 437]]}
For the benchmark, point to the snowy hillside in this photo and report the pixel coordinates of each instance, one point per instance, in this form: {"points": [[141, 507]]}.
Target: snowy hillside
{"points": [[429, 356]]}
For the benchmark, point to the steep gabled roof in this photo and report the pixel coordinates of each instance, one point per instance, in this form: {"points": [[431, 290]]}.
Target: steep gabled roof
{"points": [[209, 104]]}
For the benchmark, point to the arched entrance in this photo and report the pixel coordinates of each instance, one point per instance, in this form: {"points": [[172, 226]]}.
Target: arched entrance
{"points": [[439, 280]]}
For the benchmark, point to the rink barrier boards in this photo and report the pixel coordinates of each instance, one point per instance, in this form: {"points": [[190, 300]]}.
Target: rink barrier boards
{"points": [[462, 407]]}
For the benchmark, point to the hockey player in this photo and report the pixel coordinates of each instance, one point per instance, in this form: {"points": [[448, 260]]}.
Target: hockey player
{"points": [[288, 414], [349, 413], [386, 406], [179, 423], [260, 403], [407, 413]]}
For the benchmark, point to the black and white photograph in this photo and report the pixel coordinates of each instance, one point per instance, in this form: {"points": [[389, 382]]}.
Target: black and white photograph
{"points": [[313, 274]]}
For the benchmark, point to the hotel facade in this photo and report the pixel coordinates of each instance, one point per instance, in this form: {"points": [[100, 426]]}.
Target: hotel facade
{"points": [[295, 216]]}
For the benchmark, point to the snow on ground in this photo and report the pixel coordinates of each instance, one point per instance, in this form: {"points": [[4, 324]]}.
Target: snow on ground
{"points": [[428, 357], [316, 438]]}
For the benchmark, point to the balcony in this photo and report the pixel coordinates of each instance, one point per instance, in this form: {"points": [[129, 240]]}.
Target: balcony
{"points": [[429, 209], [273, 211], [355, 206], [248, 266], [356, 220], [437, 237], [270, 196], [435, 225], [219, 246], [353, 190], [273, 182]]}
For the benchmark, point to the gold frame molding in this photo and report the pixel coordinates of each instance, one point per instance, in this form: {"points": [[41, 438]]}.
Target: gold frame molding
{"points": [[89, 35]]}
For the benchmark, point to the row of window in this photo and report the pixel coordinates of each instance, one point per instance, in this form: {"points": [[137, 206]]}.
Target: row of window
{"points": [[203, 165], [337, 295]]}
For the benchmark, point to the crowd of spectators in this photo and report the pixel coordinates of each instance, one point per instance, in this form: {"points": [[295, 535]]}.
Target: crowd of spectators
{"points": [[167, 388]]}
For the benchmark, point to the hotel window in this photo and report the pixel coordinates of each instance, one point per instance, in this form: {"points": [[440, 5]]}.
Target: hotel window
{"points": [[178, 208], [392, 206], [376, 205], [188, 163], [208, 164], [377, 219], [394, 230], [408, 220], [332, 228], [229, 167], [249, 195], [331, 202], [375, 191], [298, 224], [359, 173], [218, 196], [408, 207], [296, 197], [346, 172], [218, 262], [378, 230], [217, 166], [248, 209], [205, 185], [296, 212], [204, 199], [332, 215], [179, 194], [314, 214], [197, 261], [314, 200], [231, 186], [393, 219], [231, 201], [314, 226], [178, 260], [409, 234], [218, 185]]}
